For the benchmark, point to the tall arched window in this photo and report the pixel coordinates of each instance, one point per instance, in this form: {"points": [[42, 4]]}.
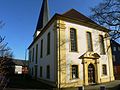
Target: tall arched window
{"points": [[89, 41], [102, 46], [73, 39]]}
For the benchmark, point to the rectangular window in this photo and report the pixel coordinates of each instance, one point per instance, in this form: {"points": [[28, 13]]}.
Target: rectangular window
{"points": [[40, 71], [33, 55], [48, 72], [73, 39], [36, 54], [29, 56], [89, 41], [35, 67], [32, 71], [48, 43], [41, 49], [118, 48], [102, 46], [114, 48], [104, 69], [74, 71], [113, 57]]}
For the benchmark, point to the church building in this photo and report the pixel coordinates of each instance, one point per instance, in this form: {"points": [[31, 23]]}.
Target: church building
{"points": [[70, 50]]}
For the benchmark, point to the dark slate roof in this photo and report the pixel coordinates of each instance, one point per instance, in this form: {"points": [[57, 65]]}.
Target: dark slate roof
{"points": [[72, 13], [19, 62], [44, 9], [77, 16]]}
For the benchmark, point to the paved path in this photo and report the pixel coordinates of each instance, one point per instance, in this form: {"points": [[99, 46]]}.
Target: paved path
{"points": [[109, 86]]}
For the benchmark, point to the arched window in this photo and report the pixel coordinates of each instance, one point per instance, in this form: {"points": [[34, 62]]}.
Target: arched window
{"points": [[102, 46], [89, 41], [73, 39]]}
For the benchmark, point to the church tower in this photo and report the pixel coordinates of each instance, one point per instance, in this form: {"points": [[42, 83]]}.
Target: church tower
{"points": [[43, 18]]}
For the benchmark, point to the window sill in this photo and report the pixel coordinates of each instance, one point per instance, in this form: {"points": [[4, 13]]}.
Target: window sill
{"points": [[102, 54], [74, 78], [104, 75], [74, 51]]}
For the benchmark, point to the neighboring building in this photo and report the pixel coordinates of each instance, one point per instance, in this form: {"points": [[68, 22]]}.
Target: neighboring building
{"points": [[69, 50], [20, 66], [116, 58]]}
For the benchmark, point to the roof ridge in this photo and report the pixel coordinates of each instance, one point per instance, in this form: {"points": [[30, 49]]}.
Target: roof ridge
{"points": [[77, 15], [68, 11]]}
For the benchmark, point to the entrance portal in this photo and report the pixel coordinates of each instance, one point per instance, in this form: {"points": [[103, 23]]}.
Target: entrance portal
{"points": [[91, 74]]}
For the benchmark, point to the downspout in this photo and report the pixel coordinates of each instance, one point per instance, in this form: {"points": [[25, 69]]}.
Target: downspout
{"points": [[59, 57]]}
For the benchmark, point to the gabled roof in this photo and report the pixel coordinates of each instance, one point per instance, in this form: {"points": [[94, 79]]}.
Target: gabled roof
{"points": [[83, 20], [72, 13]]}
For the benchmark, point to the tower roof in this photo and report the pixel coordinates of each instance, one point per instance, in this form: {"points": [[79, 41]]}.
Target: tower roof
{"points": [[44, 15]]}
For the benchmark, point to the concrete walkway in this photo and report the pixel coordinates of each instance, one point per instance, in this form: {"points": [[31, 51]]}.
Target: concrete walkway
{"points": [[114, 85], [109, 86]]}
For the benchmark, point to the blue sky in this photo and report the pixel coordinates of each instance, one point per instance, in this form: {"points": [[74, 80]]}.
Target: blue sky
{"points": [[20, 18]]}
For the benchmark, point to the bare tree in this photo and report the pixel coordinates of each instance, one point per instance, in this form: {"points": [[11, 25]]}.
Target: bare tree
{"points": [[107, 14], [5, 61]]}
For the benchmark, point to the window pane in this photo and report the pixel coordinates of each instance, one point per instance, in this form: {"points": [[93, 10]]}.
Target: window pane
{"points": [[48, 71], [33, 55], [74, 71], [41, 49], [104, 68], [119, 48], [102, 48], [30, 56], [89, 41], [73, 39], [48, 43], [32, 70], [114, 48], [35, 67], [40, 71], [36, 53]]}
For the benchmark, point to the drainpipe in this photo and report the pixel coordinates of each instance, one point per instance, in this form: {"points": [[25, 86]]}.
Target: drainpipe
{"points": [[59, 58]]}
